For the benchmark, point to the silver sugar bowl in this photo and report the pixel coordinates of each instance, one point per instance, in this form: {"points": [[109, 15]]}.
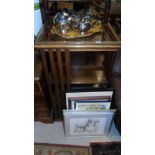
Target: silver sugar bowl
{"points": [[84, 25]]}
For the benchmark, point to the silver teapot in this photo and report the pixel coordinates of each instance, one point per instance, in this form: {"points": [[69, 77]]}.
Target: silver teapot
{"points": [[62, 21]]}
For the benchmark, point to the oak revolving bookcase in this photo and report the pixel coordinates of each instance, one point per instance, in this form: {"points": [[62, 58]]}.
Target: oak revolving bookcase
{"points": [[73, 63]]}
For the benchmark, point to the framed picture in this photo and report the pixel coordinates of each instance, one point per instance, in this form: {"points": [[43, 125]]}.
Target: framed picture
{"points": [[92, 99], [92, 105], [87, 123], [89, 105], [90, 96]]}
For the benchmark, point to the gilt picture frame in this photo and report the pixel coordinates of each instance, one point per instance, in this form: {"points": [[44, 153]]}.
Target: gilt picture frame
{"points": [[87, 123]]}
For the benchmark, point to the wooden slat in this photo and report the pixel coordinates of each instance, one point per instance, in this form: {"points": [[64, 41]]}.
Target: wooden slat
{"points": [[68, 67], [44, 63], [112, 64], [107, 10], [55, 78], [109, 64], [107, 61], [113, 33], [61, 74]]}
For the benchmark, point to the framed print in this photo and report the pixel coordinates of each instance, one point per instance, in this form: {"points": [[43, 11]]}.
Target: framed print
{"points": [[87, 123], [73, 100], [87, 96], [91, 105]]}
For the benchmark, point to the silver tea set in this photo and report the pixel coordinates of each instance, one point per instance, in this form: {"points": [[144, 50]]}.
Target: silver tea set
{"points": [[65, 21]]}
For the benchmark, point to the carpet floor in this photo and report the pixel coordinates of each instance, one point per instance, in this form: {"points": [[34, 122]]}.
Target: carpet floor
{"points": [[53, 149]]}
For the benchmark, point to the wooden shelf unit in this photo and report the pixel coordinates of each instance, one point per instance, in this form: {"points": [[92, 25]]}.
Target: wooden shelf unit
{"points": [[56, 55]]}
